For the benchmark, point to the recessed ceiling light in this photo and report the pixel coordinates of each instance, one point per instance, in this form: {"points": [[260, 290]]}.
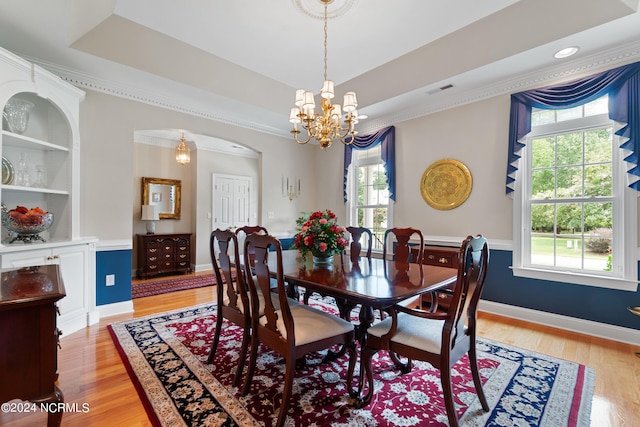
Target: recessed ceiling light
{"points": [[566, 52]]}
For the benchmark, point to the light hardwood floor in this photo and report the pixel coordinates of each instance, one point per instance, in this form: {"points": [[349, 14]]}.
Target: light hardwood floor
{"points": [[92, 373]]}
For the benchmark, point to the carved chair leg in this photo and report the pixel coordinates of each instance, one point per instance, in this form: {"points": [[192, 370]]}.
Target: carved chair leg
{"points": [[216, 338], [286, 392], [473, 362], [246, 338], [445, 378], [253, 356]]}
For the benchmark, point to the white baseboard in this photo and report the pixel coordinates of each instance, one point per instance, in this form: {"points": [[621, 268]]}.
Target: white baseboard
{"points": [[587, 327], [124, 307], [202, 267], [70, 324]]}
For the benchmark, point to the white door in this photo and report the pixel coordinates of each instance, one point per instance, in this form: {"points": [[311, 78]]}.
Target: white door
{"points": [[231, 201]]}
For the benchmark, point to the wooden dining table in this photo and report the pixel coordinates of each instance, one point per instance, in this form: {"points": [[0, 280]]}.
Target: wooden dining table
{"points": [[371, 283]]}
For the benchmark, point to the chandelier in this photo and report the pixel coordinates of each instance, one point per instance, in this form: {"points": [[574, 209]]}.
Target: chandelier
{"points": [[326, 125], [183, 155]]}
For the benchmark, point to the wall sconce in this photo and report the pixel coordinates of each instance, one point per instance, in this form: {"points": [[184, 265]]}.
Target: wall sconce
{"points": [[290, 188], [150, 214]]}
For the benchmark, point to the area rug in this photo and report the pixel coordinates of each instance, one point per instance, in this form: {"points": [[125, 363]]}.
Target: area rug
{"points": [[146, 289], [165, 355]]}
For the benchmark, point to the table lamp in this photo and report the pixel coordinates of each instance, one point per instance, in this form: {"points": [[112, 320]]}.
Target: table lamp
{"points": [[150, 214]]}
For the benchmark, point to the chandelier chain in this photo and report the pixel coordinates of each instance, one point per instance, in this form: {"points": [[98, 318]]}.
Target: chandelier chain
{"points": [[325, 40], [327, 124]]}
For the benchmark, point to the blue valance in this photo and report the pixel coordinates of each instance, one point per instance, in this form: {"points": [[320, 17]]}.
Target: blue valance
{"points": [[622, 84], [386, 137]]}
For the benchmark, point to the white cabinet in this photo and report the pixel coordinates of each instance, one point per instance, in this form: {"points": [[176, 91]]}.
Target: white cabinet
{"points": [[76, 263], [49, 147]]}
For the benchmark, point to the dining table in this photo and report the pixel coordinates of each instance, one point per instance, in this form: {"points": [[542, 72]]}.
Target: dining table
{"points": [[372, 283]]}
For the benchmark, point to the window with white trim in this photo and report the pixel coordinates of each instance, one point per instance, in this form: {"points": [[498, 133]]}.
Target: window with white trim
{"points": [[368, 200], [574, 217]]}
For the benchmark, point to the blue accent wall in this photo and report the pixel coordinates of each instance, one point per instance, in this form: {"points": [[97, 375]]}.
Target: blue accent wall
{"points": [[118, 263], [584, 302]]}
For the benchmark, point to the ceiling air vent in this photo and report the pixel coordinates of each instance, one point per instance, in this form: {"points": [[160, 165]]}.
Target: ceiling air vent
{"points": [[440, 89]]}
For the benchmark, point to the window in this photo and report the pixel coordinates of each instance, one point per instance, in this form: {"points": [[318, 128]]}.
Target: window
{"points": [[368, 200], [574, 215]]}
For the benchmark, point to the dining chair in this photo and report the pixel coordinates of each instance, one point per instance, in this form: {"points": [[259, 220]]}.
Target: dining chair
{"points": [[440, 338], [355, 248], [400, 249], [287, 327], [244, 231], [232, 296]]}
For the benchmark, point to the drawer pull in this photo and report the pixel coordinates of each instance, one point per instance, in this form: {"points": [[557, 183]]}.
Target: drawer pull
{"points": [[431, 256], [443, 261], [152, 250]]}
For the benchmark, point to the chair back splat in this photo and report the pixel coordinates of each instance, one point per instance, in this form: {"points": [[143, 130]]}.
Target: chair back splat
{"points": [[355, 248], [231, 292], [286, 326], [243, 232], [438, 337], [401, 247]]}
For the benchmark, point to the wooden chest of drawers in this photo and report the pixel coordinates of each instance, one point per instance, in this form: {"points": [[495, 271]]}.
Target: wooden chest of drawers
{"points": [[441, 256], [163, 253]]}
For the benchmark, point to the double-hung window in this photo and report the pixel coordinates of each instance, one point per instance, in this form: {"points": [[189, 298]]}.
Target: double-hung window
{"points": [[368, 200], [574, 217]]}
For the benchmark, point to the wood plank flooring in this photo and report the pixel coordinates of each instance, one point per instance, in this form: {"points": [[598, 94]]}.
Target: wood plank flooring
{"points": [[92, 373]]}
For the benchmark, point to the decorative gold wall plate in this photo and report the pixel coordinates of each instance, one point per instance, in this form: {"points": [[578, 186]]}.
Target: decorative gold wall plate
{"points": [[446, 184]]}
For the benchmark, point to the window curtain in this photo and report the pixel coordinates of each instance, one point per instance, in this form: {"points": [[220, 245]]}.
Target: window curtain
{"points": [[386, 137], [622, 84]]}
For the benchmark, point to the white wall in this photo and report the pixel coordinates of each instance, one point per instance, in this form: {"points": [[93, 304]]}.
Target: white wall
{"points": [[112, 164], [476, 135]]}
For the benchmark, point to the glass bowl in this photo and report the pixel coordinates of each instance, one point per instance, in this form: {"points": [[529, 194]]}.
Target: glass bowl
{"points": [[27, 226]]}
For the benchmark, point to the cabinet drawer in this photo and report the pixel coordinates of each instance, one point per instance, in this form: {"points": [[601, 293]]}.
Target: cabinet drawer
{"points": [[440, 258], [26, 258]]}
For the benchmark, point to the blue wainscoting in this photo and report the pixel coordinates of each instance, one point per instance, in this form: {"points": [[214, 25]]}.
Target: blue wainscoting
{"points": [[583, 302], [119, 264]]}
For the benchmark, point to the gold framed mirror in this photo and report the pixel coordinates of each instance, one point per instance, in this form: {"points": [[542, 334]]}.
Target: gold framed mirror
{"points": [[164, 194]]}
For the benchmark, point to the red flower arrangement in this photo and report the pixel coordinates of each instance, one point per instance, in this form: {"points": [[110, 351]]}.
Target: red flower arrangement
{"points": [[320, 235]]}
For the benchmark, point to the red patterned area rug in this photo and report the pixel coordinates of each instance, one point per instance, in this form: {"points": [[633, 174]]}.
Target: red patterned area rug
{"points": [[146, 289], [165, 355]]}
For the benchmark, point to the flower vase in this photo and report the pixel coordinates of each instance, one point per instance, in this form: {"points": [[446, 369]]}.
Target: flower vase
{"points": [[328, 260]]}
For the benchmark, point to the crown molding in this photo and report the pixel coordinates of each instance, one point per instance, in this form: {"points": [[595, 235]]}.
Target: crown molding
{"points": [[171, 101], [565, 71], [219, 112]]}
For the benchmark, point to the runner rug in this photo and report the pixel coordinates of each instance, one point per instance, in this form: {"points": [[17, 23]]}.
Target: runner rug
{"points": [[165, 355], [145, 289]]}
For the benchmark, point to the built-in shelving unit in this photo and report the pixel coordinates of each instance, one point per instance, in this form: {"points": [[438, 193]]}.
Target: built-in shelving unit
{"points": [[49, 147]]}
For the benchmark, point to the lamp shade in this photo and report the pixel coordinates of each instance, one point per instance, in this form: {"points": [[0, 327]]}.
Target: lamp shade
{"points": [[150, 213]]}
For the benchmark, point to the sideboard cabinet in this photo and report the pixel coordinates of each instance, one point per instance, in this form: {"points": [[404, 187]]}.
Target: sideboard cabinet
{"points": [[29, 337], [163, 253]]}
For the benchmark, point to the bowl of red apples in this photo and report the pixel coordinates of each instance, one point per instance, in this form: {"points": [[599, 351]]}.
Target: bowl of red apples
{"points": [[26, 223]]}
